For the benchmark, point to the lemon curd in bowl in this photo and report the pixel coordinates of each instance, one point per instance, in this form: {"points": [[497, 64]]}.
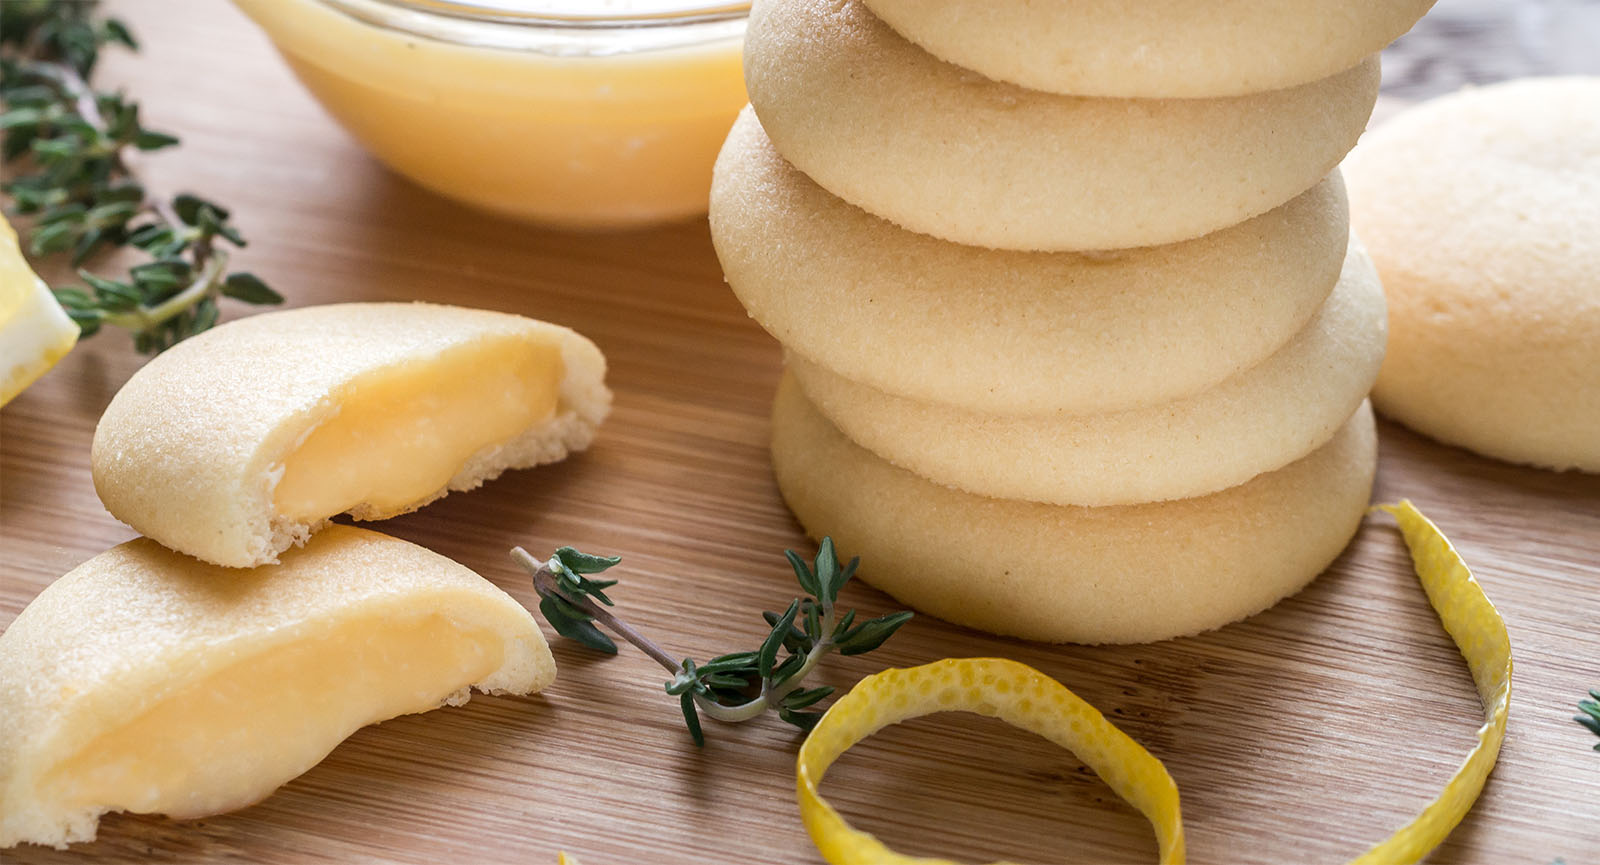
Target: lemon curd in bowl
{"points": [[571, 113]]}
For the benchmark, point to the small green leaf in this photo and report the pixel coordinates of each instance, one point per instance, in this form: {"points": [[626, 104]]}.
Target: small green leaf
{"points": [[802, 698], [796, 640], [768, 654], [227, 230], [53, 238], [813, 627], [790, 667], [844, 625], [116, 31], [827, 571], [804, 720], [583, 563], [725, 681], [73, 298], [114, 214], [574, 625], [205, 317], [192, 209], [802, 573], [86, 245], [87, 320], [872, 633], [20, 117], [737, 662], [250, 288], [149, 140], [691, 716], [113, 295]]}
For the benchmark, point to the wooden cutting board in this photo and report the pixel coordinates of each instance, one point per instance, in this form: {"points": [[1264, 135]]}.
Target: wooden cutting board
{"points": [[1303, 734]]}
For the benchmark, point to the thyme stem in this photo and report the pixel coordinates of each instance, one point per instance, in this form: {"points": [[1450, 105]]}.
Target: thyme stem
{"points": [[733, 687], [208, 282]]}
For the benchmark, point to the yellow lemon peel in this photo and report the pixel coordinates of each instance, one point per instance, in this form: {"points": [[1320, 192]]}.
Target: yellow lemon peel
{"points": [[1025, 698], [1480, 633], [1016, 694]]}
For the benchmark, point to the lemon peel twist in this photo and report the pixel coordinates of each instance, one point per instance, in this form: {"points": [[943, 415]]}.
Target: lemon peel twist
{"points": [[1480, 633], [1016, 694], [1025, 698]]}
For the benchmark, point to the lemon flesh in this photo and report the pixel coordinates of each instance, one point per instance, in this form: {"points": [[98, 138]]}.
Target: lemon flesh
{"points": [[35, 331], [147, 681], [399, 435]]}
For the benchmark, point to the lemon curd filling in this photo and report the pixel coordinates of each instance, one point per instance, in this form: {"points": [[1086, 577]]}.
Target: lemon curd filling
{"points": [[400, 434], [229, 739]]}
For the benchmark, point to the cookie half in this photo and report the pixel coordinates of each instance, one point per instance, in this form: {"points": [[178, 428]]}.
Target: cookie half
{"points": [[146, 681], [242, 441]]}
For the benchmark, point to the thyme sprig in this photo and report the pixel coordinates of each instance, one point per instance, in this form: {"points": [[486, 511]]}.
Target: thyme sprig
{"points": [[68, 150], [1589, 714], [734, 687]]}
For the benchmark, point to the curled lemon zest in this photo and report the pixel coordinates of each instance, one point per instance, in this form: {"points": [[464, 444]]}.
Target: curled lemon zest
{"points": [[1480, 633], [1025, 698], [1016, 694]]}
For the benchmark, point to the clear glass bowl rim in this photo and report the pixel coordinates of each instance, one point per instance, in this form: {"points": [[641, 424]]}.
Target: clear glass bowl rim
{"points": [[555, 27]]}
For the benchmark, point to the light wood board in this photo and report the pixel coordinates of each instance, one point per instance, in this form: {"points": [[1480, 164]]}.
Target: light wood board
{"points": [[1304, 734]]}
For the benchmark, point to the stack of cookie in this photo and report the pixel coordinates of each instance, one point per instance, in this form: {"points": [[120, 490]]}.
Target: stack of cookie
{"points": [[1078, 340]]}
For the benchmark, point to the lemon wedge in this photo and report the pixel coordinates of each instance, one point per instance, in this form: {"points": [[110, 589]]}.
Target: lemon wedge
{"points": [[151, 682], [35, 331], [1025, 698]]}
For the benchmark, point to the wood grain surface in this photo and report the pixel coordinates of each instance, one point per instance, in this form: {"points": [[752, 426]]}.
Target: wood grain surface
{"points": [[1303, 734]]}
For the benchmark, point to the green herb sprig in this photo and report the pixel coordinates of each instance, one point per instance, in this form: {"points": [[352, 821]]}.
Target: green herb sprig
{"points": [[69, 149], [734, 687], [1589, 714]]}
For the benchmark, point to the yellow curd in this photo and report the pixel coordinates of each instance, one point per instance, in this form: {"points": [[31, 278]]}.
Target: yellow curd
{"points": [[574, 113]]}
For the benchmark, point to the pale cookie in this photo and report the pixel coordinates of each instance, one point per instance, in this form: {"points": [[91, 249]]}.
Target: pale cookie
{"points": [[242, 441], [1482, 213], [1126, 574], [1010, 332], [1152, 48], [147, 681], [1261, 419], [943, 151]]}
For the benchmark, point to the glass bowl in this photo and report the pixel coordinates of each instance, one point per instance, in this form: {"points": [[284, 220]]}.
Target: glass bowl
{"points": [[572, 113]]}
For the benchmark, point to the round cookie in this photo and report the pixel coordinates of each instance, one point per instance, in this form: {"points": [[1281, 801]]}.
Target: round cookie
{"points": [[1153, 48], [941, 150], [1126, 574], [1480, 211], [1265, 417], [1009, 332]]}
